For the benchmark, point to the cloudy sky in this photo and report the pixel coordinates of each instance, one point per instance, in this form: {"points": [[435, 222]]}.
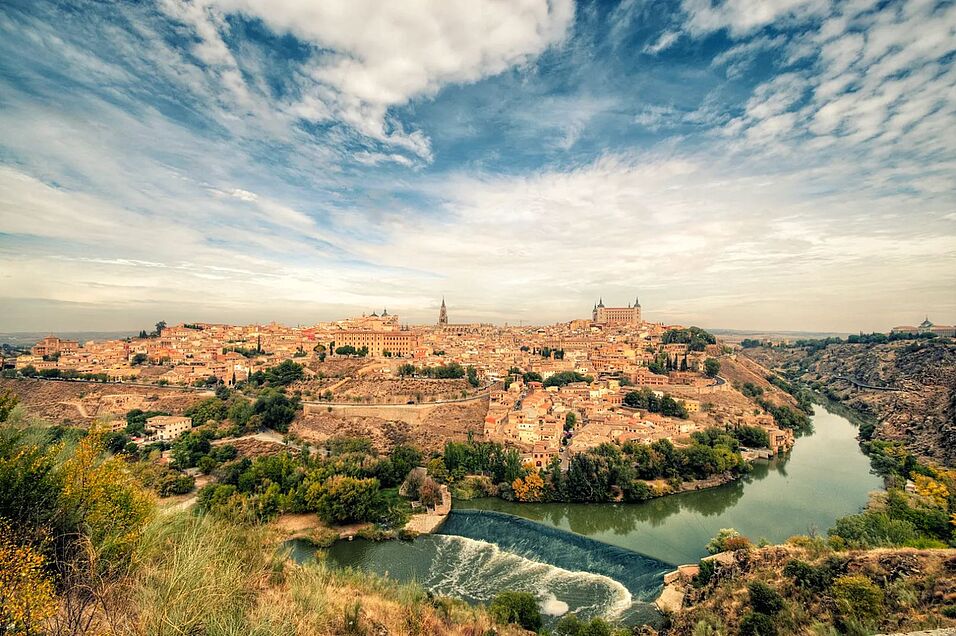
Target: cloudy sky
{"points": [[768, 164]]}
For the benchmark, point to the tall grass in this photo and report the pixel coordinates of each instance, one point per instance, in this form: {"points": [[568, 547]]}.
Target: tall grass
{"points": [[196, 575]]}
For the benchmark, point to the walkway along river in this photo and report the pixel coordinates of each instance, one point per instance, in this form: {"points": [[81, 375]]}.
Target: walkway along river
{"points": [[608, 559]]}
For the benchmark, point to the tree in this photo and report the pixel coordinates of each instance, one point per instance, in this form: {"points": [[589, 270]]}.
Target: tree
{"points": [[472, 376], [711, 367], [520, 608], [429, 493], [529, 488], [757, 624], [275, 409], [752, 436], [285, 373], [571, 625], [570, 419], [341, 499], [858, 599], [139, 359], [209, 409], [159, 328]]}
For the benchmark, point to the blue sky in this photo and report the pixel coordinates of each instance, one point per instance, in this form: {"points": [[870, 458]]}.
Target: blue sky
{"points": [[772, 164]]}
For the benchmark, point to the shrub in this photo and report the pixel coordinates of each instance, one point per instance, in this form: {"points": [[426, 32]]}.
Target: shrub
{"points": [[725, 535], [757, 624], [857, 598], [807, 576], [764, 599], [705, 573], [276, 410], [571, 625], [520, 608], [873, 529]]}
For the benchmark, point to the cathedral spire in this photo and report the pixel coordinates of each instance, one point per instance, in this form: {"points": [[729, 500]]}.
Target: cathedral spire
{"points": [[443, 313]]}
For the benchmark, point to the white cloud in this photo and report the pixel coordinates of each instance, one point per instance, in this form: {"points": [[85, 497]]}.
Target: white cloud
{"points": [[743, 16], [373, 56], [665, 41]]}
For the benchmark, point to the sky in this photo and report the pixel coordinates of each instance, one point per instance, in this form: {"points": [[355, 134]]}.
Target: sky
{"points": [[751, 164]]}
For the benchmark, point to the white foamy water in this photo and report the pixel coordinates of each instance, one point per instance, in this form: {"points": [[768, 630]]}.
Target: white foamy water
{"points": [[469, 568]]}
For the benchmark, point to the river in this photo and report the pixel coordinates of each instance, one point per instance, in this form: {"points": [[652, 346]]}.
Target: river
{"points": [[607, 559]]}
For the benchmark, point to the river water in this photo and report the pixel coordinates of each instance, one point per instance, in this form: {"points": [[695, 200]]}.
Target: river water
{"points": [[608, 559]]}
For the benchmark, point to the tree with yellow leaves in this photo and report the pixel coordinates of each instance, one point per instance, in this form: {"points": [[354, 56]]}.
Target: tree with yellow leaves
{"points": [[529, 488], [934, 491]]}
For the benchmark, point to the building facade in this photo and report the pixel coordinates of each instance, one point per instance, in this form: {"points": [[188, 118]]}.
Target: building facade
{"points": [[630, 315], [397, 343]]}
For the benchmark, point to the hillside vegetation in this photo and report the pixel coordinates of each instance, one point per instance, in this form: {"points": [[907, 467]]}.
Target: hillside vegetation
{"points": [[807, 587], [84, 550]]}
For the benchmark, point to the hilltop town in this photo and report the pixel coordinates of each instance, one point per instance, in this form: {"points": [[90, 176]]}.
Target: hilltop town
{"points": [[548, 391]]}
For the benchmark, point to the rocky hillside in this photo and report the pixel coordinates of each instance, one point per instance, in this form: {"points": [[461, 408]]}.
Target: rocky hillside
{"points": [[803, 587], [79, 403], [908, 388]]}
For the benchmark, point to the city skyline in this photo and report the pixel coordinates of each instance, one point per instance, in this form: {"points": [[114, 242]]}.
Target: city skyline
{"points": [[781, 165]]}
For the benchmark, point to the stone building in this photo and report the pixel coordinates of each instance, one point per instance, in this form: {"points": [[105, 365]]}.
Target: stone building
{"points": [[630, 315]]}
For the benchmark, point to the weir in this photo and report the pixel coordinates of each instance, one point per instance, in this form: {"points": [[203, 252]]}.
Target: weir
{"points": [[640, 574]]}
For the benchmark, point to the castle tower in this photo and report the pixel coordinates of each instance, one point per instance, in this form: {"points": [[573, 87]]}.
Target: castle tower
{"points": [[443, 314]]}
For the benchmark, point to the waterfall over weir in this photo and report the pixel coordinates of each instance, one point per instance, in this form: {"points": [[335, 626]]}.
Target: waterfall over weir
{"points": [[478, 554]]}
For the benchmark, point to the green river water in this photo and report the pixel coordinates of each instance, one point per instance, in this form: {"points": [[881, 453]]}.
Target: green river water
{"points": [[608, 559]]}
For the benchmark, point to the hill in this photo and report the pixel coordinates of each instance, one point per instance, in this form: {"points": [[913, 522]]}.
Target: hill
{"points": [[906, 389]]}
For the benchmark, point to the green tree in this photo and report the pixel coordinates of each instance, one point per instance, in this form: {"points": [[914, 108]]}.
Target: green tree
{"points": [[284, 373], [711, 367], [752, 436], [520, 608], [275, 410], [343, 499], [472, 376], [209, 409]]}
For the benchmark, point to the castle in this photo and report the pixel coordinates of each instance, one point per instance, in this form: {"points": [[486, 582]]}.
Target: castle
{"points": [[630, 315]]}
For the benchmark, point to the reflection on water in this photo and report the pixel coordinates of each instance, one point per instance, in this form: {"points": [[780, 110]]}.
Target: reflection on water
{"points": [[824, 477]]}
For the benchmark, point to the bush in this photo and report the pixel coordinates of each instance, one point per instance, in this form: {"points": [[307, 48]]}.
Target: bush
{"points": [[764, 599], [705, 573], [725, 535], [873, 529], [857, 598], [757, 624], [571, 625], [808, 577], [520, 608]]}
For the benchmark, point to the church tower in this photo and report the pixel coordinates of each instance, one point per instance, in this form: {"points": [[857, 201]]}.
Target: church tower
{"points": [[443, 314]]}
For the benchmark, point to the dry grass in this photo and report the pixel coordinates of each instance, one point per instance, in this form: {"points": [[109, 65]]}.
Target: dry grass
{"points": [[197, 575]]}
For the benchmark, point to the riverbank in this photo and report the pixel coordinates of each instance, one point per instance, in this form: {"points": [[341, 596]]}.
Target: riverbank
{"points": [[777, 499]]}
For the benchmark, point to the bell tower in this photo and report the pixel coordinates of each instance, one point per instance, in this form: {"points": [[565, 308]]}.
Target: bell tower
{"points": [[443, 314]]}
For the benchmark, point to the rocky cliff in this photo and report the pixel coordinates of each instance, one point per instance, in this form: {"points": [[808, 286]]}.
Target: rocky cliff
{"points": [[907, 388]]}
